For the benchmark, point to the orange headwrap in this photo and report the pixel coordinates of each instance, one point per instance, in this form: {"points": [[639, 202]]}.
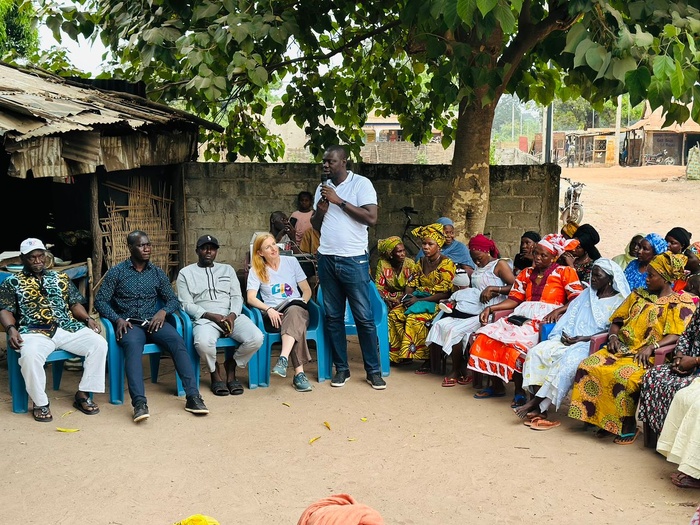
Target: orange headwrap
{"points": [[339, 509]]}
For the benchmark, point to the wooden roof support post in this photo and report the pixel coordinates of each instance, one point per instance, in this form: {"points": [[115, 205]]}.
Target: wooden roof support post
{"points": [[95, 230]]}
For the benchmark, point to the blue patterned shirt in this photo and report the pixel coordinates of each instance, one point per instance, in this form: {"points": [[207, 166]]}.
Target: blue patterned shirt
{"points": [[126, 292], [40, 305]]}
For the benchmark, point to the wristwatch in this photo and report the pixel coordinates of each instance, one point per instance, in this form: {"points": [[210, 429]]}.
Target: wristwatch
{"points": [[342, 204]]}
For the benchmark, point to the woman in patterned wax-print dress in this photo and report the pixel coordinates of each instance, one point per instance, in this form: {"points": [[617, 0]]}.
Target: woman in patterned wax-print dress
{"points": [[431, 283]]}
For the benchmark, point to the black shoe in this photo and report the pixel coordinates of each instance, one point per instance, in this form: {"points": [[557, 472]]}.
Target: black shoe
{"points": [[141, 412], [376, 381], [340, 378], [195, 404]]}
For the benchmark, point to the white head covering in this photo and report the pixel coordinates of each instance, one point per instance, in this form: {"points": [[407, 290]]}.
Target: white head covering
{"points": [[587, 314], [461, 278], [613, 270]]}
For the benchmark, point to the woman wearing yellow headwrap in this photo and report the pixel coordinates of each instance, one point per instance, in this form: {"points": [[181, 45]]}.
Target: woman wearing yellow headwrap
{"points": [[394, 270], [607, 383], [430, 283]]}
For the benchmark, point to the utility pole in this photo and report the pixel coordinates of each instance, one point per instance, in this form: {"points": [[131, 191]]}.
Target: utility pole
{"points": [[618, 120], [548, 136]]}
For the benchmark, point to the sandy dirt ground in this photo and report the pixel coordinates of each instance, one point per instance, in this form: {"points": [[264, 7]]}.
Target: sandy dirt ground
{"points": [[416, 452]]}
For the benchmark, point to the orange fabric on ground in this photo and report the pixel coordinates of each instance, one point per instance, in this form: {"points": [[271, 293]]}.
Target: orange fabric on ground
{"points": [[339, 509]]}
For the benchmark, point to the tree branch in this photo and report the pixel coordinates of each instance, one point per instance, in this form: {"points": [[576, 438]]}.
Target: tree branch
{"points": [[529, 36], [350, 43]]}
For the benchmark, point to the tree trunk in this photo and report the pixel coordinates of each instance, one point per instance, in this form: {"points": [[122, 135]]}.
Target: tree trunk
{"points": [[468, 201]]}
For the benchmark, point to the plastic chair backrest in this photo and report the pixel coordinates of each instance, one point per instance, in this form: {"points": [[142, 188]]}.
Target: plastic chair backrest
{"points": [[227, 344], [380, 314], [314, 332], [115, 360]]}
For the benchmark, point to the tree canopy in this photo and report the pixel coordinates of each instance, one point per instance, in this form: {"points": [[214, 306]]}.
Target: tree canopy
{"points": [[18, 32], [440, 64]]}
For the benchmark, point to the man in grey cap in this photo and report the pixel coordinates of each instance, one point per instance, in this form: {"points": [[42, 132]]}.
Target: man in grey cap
{"points": [[211, 295]]}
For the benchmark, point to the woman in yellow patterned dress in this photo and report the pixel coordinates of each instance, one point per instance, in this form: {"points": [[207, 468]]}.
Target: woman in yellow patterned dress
{"points": [[431, 282], [607, 383], [394, 270]]}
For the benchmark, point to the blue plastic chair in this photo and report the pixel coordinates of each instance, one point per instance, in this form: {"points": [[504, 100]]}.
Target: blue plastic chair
{"points": [[545, 330], [380, 314], [18, 389], [115, 361], [315, 332], [225, 343]]}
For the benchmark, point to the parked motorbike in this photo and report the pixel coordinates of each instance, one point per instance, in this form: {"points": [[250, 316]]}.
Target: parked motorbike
{"points": [[659, 158], [572, 210]]}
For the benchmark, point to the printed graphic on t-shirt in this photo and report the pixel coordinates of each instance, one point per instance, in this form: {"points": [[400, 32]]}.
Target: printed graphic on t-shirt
{"points": [[282, 290]]}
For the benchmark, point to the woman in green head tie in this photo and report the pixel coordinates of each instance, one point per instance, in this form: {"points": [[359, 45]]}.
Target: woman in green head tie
{"points": [[394, 270], [430, 283]]}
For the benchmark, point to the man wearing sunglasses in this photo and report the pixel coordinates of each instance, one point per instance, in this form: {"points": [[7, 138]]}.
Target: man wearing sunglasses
{"points": [[42, 311], [136, 289]]}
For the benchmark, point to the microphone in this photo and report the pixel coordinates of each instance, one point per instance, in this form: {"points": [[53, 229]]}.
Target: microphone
{"points": [[324, 179]]}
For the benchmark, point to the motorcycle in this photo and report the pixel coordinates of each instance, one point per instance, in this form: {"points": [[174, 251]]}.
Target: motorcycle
{"points": [[659, 158], [572, 210]]}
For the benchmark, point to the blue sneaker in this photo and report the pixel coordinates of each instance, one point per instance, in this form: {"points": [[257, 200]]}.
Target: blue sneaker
{"points": [[301, 383], [281, 367]]}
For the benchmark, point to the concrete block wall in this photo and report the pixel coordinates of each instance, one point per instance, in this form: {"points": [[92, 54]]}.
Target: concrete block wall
{"points": [[233, 200]]}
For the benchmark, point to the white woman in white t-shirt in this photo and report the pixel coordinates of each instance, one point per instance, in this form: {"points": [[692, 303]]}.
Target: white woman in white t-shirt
{"points": [[278, 280]]}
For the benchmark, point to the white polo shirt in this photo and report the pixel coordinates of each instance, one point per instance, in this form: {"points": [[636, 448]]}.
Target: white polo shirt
{"points": [[341, 234]]}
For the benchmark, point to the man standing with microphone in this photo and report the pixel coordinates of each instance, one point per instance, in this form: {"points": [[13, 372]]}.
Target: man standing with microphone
{"points": [[345, 206]]}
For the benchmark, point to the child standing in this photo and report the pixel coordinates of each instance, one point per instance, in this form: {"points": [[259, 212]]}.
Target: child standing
{"points": [[301, 218]]}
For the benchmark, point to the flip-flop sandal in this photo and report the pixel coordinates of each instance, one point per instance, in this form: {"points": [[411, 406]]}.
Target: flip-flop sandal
{"points": [[464, 380], [529, 422], [487, 393], [235, 388], [86, 406], [219, 388], [626, 439], [544, 424], [42, 414], [684, 481], [449, 381], [423, 371]]}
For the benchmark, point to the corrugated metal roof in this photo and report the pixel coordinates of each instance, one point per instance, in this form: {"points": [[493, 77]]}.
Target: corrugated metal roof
{"points": [[37, 107]]}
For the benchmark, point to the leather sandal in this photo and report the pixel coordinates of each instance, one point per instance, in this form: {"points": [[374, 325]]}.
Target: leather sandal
{"points": [[42, 414]]}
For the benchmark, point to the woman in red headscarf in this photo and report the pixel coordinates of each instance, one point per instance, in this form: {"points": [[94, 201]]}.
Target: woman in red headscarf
{"points": [[493, 278], [540, 294]]}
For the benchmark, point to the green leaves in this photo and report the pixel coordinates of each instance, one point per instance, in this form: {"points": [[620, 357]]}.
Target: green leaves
{"points": [[637, 82], [206, 10], [485, 6], [329, 64]]}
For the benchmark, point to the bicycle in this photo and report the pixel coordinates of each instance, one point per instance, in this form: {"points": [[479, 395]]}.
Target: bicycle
{"points": [[572, 210], [409, 241]]}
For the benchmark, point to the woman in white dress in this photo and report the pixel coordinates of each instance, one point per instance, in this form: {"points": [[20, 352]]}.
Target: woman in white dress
{"points": [[679, 440], [550, 366], [493, 277]]}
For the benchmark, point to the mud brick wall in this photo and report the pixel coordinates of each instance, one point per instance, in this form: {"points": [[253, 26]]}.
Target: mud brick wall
{"points": [[233, 200]]}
